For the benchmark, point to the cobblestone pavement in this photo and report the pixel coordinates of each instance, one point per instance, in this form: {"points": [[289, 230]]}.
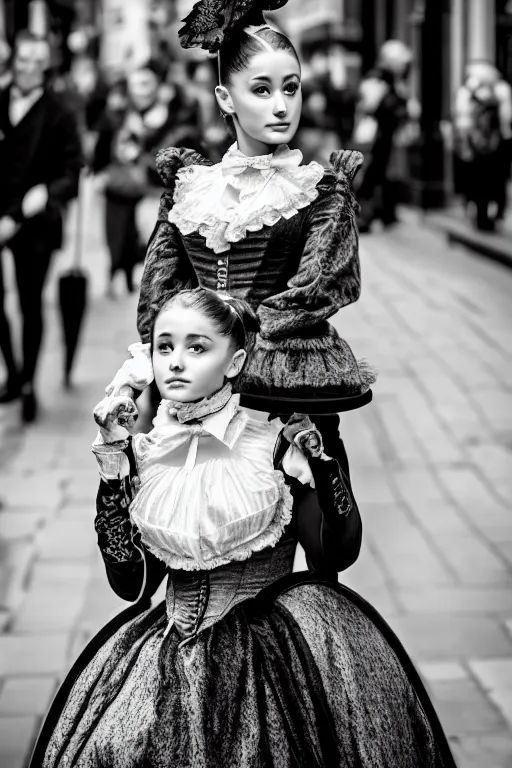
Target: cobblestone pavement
{"points": [[431, 459]]}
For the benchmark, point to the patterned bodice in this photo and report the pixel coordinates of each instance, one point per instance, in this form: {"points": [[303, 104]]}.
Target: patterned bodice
{"points": [[256, 267]]}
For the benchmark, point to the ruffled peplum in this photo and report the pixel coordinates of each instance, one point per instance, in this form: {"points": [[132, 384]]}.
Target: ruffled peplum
{"points": [[320, 365]]}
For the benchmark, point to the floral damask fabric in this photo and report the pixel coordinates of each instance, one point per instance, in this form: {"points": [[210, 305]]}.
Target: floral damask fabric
{"points": [[113, 525]]}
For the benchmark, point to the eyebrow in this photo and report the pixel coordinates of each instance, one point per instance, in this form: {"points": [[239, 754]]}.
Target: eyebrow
{"points": [[269, 79], [189, 337]]}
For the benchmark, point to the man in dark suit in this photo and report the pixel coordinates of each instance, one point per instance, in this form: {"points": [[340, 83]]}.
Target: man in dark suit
{"points": [[40, 161]]}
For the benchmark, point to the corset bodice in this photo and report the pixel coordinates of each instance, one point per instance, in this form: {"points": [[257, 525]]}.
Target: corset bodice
{"points": [[254, 268], [198, 599]]}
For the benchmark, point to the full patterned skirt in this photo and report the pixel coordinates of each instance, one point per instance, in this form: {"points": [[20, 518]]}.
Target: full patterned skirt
{"points": [[307, 674]]}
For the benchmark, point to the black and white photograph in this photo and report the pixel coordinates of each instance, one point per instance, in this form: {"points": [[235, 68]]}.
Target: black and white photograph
{"points": [[255, 384]]}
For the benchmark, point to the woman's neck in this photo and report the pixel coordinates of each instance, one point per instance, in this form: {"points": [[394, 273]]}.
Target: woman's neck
{"points": [[252, 147]]}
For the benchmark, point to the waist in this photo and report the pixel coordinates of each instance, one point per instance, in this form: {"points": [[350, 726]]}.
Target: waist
{"points": [[196, 600]]}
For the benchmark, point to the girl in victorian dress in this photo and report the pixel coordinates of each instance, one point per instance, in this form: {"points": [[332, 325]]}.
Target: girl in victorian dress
{"points": [[244, 663]]}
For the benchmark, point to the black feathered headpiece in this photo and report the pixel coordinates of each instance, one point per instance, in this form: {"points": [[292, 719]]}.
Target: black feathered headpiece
{"points": [[211, 23]]}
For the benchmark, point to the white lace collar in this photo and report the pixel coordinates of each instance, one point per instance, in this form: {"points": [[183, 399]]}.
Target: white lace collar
{"points": [[167, 423], [242, 194], [169, 433]]}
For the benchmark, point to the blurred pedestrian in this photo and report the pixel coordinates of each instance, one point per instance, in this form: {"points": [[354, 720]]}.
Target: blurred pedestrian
{"points": [[317, 135], [142, 116], [212, 128], [5, 65], [40, 160], [382, 110], [483, 134], [341, 98]]}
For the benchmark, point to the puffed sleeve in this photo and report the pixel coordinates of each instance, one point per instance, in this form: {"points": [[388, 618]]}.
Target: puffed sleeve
{"points": [[297, 349], [328, 276], [167, 268]]}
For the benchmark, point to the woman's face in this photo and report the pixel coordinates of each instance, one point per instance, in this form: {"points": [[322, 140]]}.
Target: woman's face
{"points": [[142, 89], [266, 100], [191, 359]]}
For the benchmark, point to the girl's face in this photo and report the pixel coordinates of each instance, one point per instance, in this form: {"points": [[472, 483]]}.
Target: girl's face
{"points": [[265, 100], [191, 359]]}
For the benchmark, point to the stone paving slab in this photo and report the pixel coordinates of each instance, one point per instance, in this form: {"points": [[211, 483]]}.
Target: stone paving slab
{"points": [[465, 709], [68, 537], [23, 696], [492, 750], [50, 608], [16, 739], [456, 600], [40, 654], [446, 637]]}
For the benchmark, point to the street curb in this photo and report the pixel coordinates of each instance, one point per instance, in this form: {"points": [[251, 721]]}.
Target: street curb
{"points": [[496, 246]]}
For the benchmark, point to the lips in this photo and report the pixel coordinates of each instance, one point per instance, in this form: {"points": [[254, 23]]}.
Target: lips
{"points": [[177, 381], [279, 125]]}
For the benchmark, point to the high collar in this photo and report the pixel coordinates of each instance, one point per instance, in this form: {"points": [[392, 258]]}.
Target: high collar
{"points": [[212, 415], [31, 96], [242, 194], [283, 158]]}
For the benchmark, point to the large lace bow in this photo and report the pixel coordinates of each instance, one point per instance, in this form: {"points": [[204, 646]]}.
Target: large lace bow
{"points": [[282, 159], [242, 194]]}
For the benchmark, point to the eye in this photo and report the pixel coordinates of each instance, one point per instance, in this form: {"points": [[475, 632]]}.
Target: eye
{"points": [[261, 90], [164, 346], [197, 349], [292, 88]]}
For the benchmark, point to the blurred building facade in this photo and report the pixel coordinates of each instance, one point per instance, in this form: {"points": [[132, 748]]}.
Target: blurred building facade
{"points": [[444, 36]]}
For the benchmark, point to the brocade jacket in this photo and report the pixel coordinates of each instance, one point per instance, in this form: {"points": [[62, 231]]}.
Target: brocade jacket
{"points": [[296, 274]]}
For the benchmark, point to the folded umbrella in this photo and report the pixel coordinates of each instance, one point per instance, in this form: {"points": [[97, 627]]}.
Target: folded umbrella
{"points": [[73, 294]]}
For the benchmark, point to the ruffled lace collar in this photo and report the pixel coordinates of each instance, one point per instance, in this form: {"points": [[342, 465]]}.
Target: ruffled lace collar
{"points": [[242, 194], [178, 423]]}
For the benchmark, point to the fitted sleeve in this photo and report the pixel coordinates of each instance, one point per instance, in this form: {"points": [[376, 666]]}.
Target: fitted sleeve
{"points": [[132, 571], [328, 276], [167, 268], [331, 542]]}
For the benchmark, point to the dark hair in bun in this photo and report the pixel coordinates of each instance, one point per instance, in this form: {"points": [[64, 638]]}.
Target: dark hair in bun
{"points": [[236, 54]]}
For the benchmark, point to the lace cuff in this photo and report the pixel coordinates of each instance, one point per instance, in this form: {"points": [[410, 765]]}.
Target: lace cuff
{"points": [[112, 460], [296, 465], [113, 525]]}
